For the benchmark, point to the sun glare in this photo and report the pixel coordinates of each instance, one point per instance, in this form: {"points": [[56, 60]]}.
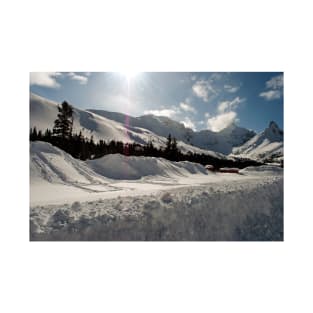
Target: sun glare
{"points": [[129, 75]]}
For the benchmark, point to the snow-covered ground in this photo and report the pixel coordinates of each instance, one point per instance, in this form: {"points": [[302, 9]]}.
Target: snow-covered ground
{"points": [[142, 198]]}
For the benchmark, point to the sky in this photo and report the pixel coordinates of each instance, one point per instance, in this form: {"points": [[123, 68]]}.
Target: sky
{"points": [[200, 100]]}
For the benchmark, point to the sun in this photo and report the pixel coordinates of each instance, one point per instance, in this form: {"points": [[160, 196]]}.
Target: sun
{"points": [[129, 75]]}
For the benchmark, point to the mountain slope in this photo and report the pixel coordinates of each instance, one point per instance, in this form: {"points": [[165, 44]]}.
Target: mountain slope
{"points": [[115, 126], [222, 141], [263, 145]]}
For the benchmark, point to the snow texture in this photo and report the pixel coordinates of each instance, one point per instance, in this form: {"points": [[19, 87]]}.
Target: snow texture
{"points": [[221, 142], [263, 145], [118, 166], [43, 113], [247, 210], [142, 198], [117, 126]]}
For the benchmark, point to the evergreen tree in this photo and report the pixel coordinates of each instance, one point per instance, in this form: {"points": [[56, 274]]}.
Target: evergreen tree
{"points": [[174, 146], [168, 144], [35, 135], [39, 137], [63, 125], [47, 135]]}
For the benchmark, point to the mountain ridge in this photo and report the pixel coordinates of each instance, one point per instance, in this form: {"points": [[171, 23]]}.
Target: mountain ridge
{"points": [[267, 144], [43, 112], [222, 141], [106, 125]]}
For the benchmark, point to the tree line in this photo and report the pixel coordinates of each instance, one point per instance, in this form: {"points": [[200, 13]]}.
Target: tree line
{"points": [[84, 148]]}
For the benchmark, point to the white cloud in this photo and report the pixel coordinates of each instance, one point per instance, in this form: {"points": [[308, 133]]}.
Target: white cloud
{"points": [[189, 123], [187, 108], [276, 82], [221, 121], [207, 114], [271, 95], [45, 79], [229, 105], [162, 112], [80, 78], [217, 76], [203, 89], [231, 88]]}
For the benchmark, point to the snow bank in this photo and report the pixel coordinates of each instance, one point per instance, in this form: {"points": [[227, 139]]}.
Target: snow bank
{"points": [[245, 210], [56, 177], [51, 164], [262, 170], [118, 166]]}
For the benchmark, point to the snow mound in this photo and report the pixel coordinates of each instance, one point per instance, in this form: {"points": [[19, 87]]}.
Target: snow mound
{"points": [[263, 170], [51, 164], [118, 166]]}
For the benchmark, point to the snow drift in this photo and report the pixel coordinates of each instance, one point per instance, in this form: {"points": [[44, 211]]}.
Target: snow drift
{"points": [[142, 198], [247, 210], [118, 166], [51, 164]]}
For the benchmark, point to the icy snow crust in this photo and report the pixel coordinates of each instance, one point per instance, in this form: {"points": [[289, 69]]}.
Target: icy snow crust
{"points": [[141, 198]]}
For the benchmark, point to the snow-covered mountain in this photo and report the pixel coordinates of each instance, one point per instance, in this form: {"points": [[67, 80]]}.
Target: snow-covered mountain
{"points": [[121, 127], [222, 141], [265, 145], [114, 126]]}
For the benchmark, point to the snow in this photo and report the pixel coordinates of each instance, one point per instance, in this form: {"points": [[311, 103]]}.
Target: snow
{"points": [[211, 212], [56, 177], [121, 127], [118, 166], [263, 145], [221, 142], [141, 198], [51, 164], [262, 170], [115, 126]]}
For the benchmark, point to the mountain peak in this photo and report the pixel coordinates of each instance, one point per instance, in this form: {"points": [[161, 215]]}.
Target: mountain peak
{"points": [[273, 125], [273, 132]]}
